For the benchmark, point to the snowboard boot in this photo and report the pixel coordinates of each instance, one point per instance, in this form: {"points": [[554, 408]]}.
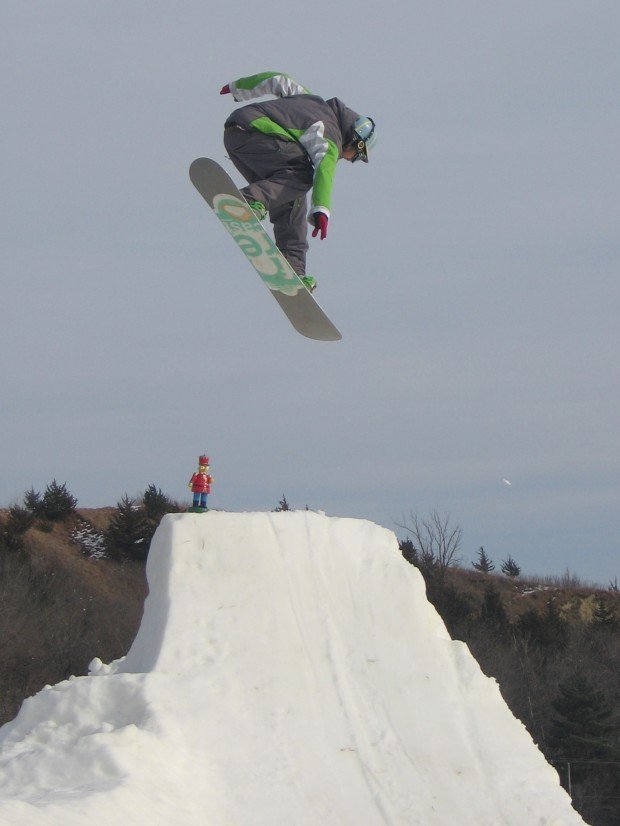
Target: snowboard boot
{"points": [[259, 209], [309, 282]]}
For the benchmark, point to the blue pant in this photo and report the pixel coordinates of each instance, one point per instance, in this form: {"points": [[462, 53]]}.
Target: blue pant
{"points": [[200, 500]]}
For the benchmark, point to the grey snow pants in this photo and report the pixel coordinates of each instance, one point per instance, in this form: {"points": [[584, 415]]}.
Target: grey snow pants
{"points": [[279, 173]]}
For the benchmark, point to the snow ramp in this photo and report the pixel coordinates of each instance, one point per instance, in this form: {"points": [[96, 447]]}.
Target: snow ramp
{"points": [[288, 670]]}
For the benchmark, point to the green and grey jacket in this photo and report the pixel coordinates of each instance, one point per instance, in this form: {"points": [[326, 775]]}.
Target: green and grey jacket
{"points": [[322, 127]]}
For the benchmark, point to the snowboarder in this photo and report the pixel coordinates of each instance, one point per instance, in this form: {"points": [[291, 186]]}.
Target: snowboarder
{"points": [[284, 148], [200, 483]]}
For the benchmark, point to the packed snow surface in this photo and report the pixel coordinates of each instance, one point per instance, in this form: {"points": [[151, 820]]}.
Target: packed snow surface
{"points": [[288, 670]]}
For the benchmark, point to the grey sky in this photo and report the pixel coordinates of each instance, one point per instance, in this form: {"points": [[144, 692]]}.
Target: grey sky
{"points": [[472, 267]]}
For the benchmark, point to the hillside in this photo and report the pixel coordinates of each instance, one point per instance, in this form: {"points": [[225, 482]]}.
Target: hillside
{"points": [[62, 604], [576, 602]]}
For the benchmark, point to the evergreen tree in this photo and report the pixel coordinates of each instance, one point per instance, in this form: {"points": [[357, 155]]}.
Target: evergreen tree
{"points": [[57, 502], [282, 505], [425, 561], [605, 616], [128, 535], [32, 501], [16, 525], [583, 726], [510, 568], [454, 606], [20, 519], [548, 631], [157, 504], [493, 614], [484, 564], [409, 551]]}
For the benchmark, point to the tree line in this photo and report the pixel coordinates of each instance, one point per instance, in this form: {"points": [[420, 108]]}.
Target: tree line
{"points": [[128, 535]]}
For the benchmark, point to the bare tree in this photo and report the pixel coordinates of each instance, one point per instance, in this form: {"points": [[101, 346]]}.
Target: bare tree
{"points": [[437, 543]]}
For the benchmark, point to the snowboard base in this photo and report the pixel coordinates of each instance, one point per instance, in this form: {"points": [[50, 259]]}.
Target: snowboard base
{"points": [[220, 192]]}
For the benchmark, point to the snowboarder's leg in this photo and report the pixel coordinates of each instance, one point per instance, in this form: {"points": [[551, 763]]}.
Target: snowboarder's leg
{"points": [[235, 143], [290, 230], [277, 171]]}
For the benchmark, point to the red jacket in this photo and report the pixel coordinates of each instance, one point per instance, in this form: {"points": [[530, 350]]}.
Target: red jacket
{"points": [[201, 483]]}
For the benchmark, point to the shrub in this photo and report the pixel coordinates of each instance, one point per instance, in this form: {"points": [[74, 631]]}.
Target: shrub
{"points": [[20, 519]]}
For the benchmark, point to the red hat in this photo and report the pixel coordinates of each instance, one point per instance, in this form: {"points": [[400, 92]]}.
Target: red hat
{"points": [[203, 460]]}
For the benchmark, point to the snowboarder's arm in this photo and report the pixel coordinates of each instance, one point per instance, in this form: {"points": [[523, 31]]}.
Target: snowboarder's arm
{"points": [[324, 156], [267, 83]]}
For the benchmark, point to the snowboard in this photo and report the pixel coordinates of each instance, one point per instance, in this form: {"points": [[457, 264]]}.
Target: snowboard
{"points": [[220, 192]]}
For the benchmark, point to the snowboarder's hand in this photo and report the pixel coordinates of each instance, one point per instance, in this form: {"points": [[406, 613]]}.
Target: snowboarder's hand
{"points": [[320, 220], [225, 90]]}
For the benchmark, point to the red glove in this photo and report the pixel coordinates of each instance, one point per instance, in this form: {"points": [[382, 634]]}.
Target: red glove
{"points": [[320, 220], [225, 90]]}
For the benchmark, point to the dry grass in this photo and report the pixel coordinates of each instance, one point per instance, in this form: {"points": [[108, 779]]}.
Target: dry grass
{"points": [[576, 600], [61, 608]]}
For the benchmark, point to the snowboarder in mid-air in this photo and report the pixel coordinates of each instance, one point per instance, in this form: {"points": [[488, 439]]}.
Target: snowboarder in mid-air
{"points": [[283, 148]]}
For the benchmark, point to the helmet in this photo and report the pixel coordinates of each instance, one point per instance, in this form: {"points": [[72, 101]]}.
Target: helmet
{"points": [[364, 137]]}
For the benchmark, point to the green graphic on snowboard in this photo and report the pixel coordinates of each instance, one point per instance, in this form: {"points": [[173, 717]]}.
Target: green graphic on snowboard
{"points": [[297, 303], [260, 250]]}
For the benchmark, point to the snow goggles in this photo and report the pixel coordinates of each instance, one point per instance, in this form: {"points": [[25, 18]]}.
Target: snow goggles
{"points": [[361, 153], [365, 137]]}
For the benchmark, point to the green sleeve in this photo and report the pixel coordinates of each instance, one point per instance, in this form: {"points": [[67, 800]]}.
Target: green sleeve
{"points": [[278, 84], [324, 179]]}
